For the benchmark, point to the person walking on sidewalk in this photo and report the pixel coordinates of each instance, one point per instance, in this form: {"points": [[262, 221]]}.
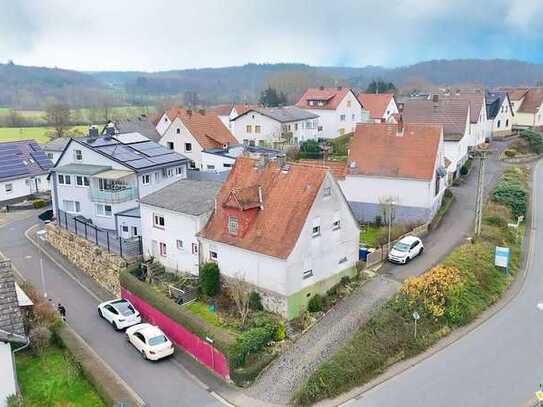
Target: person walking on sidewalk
{"points": [[62, 311]]}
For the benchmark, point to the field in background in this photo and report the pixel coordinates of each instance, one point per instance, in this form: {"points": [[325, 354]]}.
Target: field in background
{"points": [[40, 134]]}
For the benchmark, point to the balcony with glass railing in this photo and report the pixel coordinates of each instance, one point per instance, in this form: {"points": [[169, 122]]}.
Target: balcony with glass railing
{"points": [[113, 196], [113, 190]]}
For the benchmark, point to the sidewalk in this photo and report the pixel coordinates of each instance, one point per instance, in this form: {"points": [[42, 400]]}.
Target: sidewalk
{"points": [[289, 370]]}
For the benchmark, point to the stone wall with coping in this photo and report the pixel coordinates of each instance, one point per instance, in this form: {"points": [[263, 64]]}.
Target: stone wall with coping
{"points": [[102, 266]]}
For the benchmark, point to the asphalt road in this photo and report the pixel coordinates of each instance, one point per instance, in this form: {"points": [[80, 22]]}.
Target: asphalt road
{"points": [[500, 363], [162, 383]]}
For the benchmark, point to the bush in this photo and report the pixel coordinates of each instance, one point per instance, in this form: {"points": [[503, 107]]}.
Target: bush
{"points": [[38, 203], [210, 279], [14, 401], [464, 170], [513, 195], [495, 220], [40, 338], [315, 303], [255, 302], [243, 376], [534, 139], [249, 342], [268, 321], [510, 153], [310, 149], [280, 333]]}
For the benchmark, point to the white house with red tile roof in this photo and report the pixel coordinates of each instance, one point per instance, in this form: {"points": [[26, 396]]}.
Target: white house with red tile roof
{"points": [[528, 106], [189, 133], [381, 106], [399, 166], [338, 108], [287, 230]]}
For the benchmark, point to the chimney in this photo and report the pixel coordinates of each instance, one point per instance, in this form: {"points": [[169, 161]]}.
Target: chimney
{"points": [[93, 132], [280, 161], [399, 133], [435, 98], [321, 87]]}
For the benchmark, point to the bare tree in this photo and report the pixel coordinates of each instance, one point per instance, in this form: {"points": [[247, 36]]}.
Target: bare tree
{"points": [[58, 116], [105, 106], [240, 291]]}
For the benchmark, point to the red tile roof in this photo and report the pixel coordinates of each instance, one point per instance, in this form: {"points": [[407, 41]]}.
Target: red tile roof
{"points": [[207, 129], [338, 168], [476, 104], [287, 197], [375, 103], [331, 96], [242, 109], [451, 113], [220, 110], [532, 101], [378, 149]]}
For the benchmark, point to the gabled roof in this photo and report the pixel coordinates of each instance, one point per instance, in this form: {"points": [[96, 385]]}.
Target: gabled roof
{"points": [[284, 114], [338, 168], [243, 108], [20, 159], [451, 113], [208, 130], [287, 197], [220, 110], [517, 94], [185, 196], [476, 101], [141, 124], [494, 102], [11, 320], [57, 144], [331, 97], [532, 101], [376, 104], [380, 149]]}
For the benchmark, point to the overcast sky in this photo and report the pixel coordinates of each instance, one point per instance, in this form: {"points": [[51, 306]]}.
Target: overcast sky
{"points": [[160, 34]]}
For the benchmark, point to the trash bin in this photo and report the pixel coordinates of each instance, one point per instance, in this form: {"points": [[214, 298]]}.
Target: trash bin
{"points": [[363, 253]]}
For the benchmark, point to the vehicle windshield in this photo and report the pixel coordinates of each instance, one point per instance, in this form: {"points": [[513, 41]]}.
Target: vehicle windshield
{"points": [[124, 307], [157, 340], [401, 247]]}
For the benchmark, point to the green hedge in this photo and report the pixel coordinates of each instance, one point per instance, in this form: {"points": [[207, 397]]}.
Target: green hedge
{"points": [[512, 192], [243, 376], [223, 339]]}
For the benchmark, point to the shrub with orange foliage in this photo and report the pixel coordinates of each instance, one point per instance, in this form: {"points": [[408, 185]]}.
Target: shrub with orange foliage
{"points": [[431, 288]]}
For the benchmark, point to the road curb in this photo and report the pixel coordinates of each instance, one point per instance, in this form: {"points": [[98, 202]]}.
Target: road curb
{"points": [[514, 289]]}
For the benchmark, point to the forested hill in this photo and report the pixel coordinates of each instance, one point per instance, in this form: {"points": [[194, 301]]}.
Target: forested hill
{"points": [[27, 87]]}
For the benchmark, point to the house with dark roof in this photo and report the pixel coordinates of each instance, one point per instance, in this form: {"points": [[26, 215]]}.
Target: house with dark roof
{"points": [[500, 113], [54, 148], [338, 108], [527, 106], [454, 115], [23, 171], [102, 178], [287, 230], [191, 132], [12, 333], [382, 107], [222, 159], [390, 166], [140, 124], [271, 126], [171, 219]]}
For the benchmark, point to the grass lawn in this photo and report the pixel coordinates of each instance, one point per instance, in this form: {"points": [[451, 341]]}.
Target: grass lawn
{"points": [[369, 234], [202, 310], [52, 380], [28, 133]]}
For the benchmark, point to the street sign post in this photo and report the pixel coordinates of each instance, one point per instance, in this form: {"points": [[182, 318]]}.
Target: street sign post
{"points": [[416, 317], [501, 257]]}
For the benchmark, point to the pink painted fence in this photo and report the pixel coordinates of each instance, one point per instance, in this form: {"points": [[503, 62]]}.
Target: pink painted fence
{"points": [[186, 340]]}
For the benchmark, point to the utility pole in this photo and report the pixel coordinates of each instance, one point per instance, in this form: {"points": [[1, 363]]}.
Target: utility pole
{"points": [[479, 200]]}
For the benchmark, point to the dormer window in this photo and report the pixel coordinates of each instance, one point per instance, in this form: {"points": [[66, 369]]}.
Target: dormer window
{"points": [[233, 225], [78, 155]]}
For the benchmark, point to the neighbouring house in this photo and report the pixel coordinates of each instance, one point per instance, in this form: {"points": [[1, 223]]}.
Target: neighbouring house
{"points": [[479, 128], [275, 126], [227, 113], [102, 178], [499, 113], [285, 229], [338, 109], [390, 166], [190, 133], [23, 171], [454, 115], [12, 333], [140, 124], [382, 107], [527, 106], [222, 159], [171, 218], [55, 147]]}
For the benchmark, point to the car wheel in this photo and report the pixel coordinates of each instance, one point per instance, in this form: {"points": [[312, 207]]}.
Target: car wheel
{"points": [[421, 250], [407, 260], [100, 313], [115, 326], [143, 355]]}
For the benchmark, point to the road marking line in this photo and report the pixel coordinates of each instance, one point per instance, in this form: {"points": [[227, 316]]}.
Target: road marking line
{"points": [[221, 399], [83, 286]]}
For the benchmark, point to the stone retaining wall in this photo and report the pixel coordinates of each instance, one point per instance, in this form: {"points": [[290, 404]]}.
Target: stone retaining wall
{"points": [[102, 266]]}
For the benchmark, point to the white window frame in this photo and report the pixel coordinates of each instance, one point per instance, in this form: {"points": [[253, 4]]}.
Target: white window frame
{"points": [[156, 221], [213, 255], [316, 229], [179, 244], [146, 179], [233, 225], [8, 188], [163, 249], [78, 155], [102, 212], [189, 149], [180, 171], [84, 181], [76, 206]]}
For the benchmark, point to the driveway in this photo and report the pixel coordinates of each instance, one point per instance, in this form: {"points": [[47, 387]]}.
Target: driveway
{"points": [[165, 383], [276, 386], [498, 364]]}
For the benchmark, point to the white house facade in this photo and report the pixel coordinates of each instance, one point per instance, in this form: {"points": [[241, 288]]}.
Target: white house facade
{"points": [[499, 113]]}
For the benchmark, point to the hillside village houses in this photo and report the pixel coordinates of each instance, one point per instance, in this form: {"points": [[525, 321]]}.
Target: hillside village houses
{"points": [[270, 126], [499, 113], [285, 229], [338, 109], [227, 113], [479, 124], [189, 133], [23, 171], [102, 178], [527, 106], [222, 159], [171, 218], [382, 107], [398, 167], [454, 115]]}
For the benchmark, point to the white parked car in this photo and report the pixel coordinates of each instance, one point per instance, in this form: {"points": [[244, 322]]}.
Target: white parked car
{"points": [[150, 341], [119, 313], [406, 249]]}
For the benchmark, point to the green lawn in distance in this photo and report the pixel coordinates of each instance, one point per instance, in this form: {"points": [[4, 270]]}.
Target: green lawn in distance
{"points": [[40, 134]]}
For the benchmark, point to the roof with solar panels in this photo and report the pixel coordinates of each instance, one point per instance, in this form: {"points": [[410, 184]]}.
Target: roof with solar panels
{"points": [[133, 150], [21, 159]]}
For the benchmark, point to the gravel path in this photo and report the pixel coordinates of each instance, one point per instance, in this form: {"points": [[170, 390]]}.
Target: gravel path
{"points": [[289, 370]]}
